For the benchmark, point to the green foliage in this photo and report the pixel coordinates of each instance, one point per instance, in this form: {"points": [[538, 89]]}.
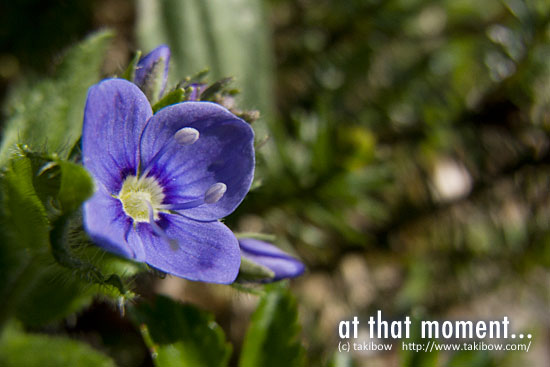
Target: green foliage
{"points": [[19, 349], [47, 270], [273, 337], [198, 34], [341, 360], [412, 358], [181, 335], [54, 294], [375, 100], [24, 235], [76, 186], [24, 217], [471, 359], [49, 113], [175, 96], [130, 72]]}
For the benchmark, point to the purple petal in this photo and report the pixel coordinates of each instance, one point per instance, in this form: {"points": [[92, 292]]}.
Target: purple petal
{"points": [[278, 261], [206, 252], [107, 225], [223, 153], [147, 62], [115, 115]]}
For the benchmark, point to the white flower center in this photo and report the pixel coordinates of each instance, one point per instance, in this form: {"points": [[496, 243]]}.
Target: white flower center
{"points": [[140, 195]]}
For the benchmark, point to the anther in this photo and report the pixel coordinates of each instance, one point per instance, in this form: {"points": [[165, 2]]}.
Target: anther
{"points": [[211, 196], [186, 136], [215, 193]]}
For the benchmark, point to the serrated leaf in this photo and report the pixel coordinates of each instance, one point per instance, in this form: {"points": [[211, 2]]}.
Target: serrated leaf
{"points": [[48, 114], [181, 335], [18, 349], [273, 337], [37, 287]]}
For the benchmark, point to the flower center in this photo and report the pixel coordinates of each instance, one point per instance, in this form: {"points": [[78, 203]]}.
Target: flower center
{"points": [[140, 195]]}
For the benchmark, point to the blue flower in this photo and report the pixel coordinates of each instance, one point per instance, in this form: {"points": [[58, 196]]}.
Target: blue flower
{"points": [[279, 262], [146, 73], [164, 181]]}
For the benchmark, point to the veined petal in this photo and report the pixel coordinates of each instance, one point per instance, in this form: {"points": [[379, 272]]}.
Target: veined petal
{"points": [[107, 225], [201, 251], [116, 113], [273, 258], [223, 153]]}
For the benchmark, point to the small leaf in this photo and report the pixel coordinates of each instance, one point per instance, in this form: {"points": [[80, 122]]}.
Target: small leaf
{"points": [[273, 337], [175, 96], [198, 77], [34, 350], [181, 335], [216, 87], [130, 72]]}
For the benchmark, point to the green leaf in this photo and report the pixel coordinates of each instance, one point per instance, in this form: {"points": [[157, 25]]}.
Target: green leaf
{"points": [[37, 287], [55, 294], [130, 72], [76, 186], [24, 234], [471, 359], [341, 359], [34, 350], [175, 96], [49, 113], [23, 217], [273, 337], [181, 335]]}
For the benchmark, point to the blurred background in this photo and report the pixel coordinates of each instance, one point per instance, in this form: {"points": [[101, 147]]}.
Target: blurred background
{"points": [[403, 154]]}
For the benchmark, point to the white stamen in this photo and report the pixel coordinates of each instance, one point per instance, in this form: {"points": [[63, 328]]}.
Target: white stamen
{"points": [[186, 136], [215, 193]]}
